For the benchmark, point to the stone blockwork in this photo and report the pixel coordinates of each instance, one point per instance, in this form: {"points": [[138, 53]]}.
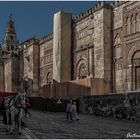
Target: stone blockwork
{"points": [[46, 60], [125, 45], [2, 77], [83, 42], [101, 44], [8, 76], [29, 56], [15, 72]]}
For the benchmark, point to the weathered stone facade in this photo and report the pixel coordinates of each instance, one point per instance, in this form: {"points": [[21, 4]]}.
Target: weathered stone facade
{"points": [[101, 44], [29, 58], [46, 60]]}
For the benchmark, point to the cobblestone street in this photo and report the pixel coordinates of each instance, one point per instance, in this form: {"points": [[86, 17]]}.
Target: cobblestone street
{"points": [[26, 134], [54, 125]]}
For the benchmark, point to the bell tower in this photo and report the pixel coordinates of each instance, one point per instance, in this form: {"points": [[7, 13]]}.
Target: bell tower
{"points": [[10, 43], [11, 58]]}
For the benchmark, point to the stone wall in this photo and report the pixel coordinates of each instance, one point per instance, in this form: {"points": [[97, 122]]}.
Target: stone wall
{"points": [[8, 76], [102, 46], [83, 40], [30, 60], [15, 73], [21, 69], [126, 36], [1, 77], [100, 43], [35, 68], [46, 60]]}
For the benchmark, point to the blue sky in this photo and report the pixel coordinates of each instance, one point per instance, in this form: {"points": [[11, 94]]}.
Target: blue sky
{"points": [[36, 18]]}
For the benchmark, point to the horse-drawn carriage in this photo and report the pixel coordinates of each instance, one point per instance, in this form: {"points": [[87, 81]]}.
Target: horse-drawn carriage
{"points": [[12, 108], [3, 95]]}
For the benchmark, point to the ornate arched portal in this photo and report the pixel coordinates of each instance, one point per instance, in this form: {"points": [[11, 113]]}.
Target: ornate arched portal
{"points": [[82, 69], [133, 71], [136, 70], [48, 78]]}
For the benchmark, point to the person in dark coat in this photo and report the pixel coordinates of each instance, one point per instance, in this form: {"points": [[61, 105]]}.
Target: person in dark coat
{"points": [[69, 110]]}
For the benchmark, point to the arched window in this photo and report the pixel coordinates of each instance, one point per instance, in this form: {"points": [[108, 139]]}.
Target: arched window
{"points": [[136, 70], [127, 26], [136, 59], [136, 22], [11, 37], [48, 78], [83, 71], [81, 68], [12, 47], [132, 26]]}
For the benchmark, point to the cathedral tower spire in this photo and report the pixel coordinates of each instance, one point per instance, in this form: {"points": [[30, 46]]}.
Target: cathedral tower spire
{"points": [[10, 41]]}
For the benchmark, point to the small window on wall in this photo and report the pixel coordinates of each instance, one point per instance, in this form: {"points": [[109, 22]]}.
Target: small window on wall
{"points": [[12, 47], [127, 26], [136, 22], [48, 78], [11, 37]]}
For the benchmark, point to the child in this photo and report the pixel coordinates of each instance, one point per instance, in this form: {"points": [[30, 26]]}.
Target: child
{"points": [[74, 110]]}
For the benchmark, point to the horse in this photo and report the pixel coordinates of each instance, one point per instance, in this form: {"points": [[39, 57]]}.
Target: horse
{"points": [[14, 105]]}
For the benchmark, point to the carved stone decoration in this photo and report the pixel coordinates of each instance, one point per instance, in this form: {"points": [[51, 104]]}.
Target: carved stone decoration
{"points": [[30, 63], [49, 78], [131, 21], [136, 71], [136, 58], [117, 40], [81, 69], [118, 65]]}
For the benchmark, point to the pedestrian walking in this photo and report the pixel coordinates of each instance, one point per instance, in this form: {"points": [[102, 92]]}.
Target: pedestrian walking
{"points": [[69, 110], [74, 111]]}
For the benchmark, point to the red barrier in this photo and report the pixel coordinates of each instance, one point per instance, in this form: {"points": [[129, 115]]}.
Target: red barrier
{"points": [[5, 94]]}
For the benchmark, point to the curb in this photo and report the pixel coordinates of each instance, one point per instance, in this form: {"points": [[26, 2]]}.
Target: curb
{"points": [[29, 134]]}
